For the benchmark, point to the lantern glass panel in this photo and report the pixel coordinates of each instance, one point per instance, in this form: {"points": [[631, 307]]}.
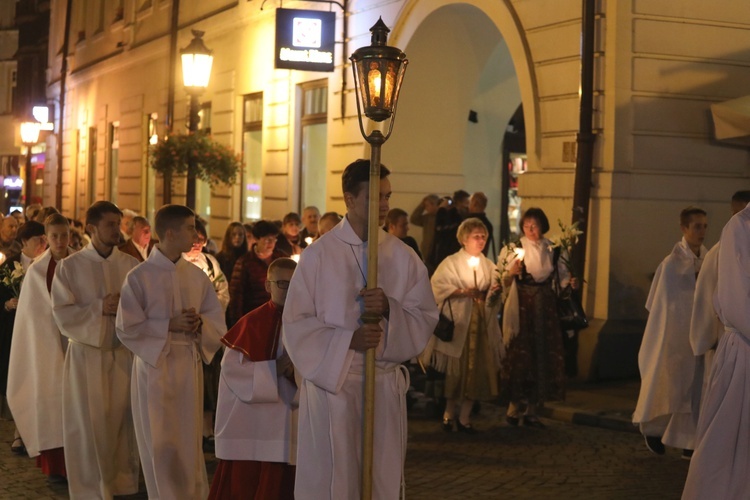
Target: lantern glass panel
{"points": [[30, 132], [196, 69]]}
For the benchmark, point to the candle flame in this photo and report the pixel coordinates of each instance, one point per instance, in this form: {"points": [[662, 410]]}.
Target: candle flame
{"points": [[520, 252], [308, 240], [473, 262], [295, 257]]}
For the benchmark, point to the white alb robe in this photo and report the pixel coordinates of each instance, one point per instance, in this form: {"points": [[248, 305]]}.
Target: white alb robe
{"points": [[721, 460], [705, 326], [100, 455], [665, 359], [322, 312], [167, 374], [35, 373]]}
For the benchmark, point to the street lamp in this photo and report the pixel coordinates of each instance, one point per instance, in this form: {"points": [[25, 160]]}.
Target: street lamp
{"points": [[197, 60], [29, 137], [378, 73]]}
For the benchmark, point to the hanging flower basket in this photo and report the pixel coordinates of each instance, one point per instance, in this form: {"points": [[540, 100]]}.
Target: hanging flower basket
{"points": [[196, 153]]}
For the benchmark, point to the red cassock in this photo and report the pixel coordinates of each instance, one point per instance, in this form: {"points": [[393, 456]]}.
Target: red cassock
{"points": [[257, 336]]}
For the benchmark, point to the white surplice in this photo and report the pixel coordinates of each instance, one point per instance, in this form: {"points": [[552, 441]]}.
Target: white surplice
{"points": [[100, 454], [167, 373], [665, 359], [254, 411], [35, 373], [721, 460], [322, 312], [705, 326]]}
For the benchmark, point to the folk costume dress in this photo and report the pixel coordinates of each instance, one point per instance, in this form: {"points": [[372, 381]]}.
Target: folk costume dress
{"points": [[100, 454], [254, 418], [35, 381], [322, 312], [533, 369], [472, 359], [721, 460], [666, 360], [167, 373]]}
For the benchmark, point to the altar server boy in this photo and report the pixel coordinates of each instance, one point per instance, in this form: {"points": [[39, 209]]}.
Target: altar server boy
{"points": [[171, 319]]}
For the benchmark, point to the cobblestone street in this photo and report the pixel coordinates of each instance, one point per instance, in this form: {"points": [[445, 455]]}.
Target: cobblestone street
{"points": [[562, 461]]}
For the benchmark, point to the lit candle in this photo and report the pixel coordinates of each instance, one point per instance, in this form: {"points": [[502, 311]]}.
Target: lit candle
{"points": [[474, 264], [2, 257], [295, 257], [309, 240], [520, 252]]}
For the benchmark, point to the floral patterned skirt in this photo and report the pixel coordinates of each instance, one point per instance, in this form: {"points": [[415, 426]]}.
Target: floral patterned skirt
{"points": [[533, 369]]}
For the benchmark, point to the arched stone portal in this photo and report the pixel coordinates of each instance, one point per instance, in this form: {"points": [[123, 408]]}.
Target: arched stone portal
{"points": [[464, 56]]}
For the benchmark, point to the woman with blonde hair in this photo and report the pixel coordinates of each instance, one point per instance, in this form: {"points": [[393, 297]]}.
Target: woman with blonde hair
{"points": [[470, 360]]}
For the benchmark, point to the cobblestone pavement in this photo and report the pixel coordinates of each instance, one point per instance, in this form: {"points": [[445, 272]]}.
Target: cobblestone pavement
{"points": [[560, 462]]}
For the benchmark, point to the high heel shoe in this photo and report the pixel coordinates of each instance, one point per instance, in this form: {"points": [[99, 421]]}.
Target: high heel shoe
{"points": [[467, 429], [447, 425]]}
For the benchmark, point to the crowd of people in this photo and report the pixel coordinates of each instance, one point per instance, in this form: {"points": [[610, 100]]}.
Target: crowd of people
{"points": [[138, 350]]}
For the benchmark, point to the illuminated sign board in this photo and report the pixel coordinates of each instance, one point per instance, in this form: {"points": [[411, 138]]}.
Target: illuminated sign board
{"points": [[305, 39]]}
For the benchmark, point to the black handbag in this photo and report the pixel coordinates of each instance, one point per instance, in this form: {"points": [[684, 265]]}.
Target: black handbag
{"points": [[445, 325], [570, 311], [569, 308]]}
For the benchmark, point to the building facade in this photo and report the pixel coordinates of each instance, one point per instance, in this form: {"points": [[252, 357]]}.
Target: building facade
{"points": [[479, 70]]}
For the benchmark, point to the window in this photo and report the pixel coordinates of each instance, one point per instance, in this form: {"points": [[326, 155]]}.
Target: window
{"points": [[202, 188], [252, 152], [91, 177], [314, 143], [114, 159]]}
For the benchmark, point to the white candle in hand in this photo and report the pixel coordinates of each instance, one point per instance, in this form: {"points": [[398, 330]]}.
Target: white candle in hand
{"points": [[474, 264]]}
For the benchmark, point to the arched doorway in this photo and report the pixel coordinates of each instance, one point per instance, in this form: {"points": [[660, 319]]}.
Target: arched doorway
{"points": [[468, 75]]}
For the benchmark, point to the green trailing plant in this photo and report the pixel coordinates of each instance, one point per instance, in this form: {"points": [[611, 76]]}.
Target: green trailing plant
{"points": [[196, 153]]}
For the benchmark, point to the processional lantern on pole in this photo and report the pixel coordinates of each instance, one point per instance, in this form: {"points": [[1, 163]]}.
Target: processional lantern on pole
{"points": [[197, 60], [29, 137], [378, 73]]}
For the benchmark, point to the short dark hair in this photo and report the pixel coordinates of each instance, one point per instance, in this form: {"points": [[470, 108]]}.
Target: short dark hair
{"points": [[393, 216], [688, 212], [57, 219], [29, 229], [460, 195], [264, 228], [358, 172], [281, 263], [291, 217], [96, 211], [538, 215], [741, 197], [170, 217]]}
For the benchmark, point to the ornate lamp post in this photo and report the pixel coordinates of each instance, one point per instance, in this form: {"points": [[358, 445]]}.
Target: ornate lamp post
{"points": [[29, 137], [197, 60], [378, 73]]}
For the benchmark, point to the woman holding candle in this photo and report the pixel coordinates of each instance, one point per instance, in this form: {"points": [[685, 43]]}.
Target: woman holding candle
{"points": [[470, 360], [533, 370]]}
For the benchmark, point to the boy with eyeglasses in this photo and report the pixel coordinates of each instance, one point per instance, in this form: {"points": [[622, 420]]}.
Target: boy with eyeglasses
{"points": [[254, 424]]}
